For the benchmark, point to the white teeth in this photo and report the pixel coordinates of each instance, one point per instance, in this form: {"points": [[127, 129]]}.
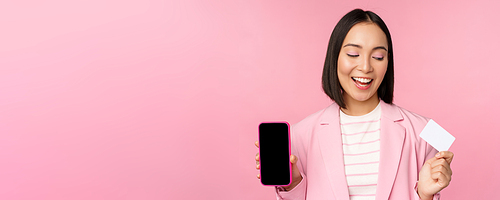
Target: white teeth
{"points": [[362, 80]]}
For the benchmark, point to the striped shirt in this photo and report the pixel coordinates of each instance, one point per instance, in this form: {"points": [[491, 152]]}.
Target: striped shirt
{"points": [[361, 145]]}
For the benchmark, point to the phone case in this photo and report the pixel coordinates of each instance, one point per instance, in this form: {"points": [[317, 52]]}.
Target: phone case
{"points": [[289, 152]]}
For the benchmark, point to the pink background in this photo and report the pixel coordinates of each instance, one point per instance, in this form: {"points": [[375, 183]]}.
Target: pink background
{"points": [[162, 99]]}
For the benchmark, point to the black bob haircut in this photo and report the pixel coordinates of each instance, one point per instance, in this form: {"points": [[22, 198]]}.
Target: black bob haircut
{"points": [[330, 79]]}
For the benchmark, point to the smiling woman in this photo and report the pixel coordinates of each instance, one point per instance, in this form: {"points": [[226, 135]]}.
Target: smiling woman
{"points": [[362, 65], [367, 148], [359, 35]]}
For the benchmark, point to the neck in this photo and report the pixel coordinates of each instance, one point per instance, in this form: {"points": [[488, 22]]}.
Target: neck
{"points": [[358, 108]]}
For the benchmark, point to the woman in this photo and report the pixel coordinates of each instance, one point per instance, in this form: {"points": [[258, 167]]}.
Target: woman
{"points": [[360, 147]]}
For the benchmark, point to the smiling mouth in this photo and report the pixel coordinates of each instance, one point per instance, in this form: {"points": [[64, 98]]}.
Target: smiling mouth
{"points": [[362, 83], [362, 80]]}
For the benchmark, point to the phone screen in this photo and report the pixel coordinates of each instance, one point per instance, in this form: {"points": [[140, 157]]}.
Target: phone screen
{"points": [[274, 152]]}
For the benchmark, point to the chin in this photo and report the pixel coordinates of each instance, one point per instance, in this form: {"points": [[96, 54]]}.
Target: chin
{"points": [[362, 98]]}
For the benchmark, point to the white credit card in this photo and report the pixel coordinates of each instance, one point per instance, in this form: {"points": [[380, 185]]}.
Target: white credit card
{"points": [[436, 136]]}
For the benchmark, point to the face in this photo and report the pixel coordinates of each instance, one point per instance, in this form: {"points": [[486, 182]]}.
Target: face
{"points": [[362, 62]]}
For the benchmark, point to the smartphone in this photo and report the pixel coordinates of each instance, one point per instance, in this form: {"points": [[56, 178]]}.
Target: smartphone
{"points": [[274, 151]]}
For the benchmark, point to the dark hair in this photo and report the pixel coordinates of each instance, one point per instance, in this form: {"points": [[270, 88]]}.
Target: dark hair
{"points": [[330, 79]]}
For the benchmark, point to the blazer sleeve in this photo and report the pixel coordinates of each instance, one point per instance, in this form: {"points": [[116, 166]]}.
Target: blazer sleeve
{"points": [[299, 192]]}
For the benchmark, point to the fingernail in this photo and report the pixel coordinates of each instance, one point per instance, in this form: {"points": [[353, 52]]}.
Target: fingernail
{"points": [[438, 154]]}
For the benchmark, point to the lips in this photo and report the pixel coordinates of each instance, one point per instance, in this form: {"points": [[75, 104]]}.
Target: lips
{"points": [[362, 82]]}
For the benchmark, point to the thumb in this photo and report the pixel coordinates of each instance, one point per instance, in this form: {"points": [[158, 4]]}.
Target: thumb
{"points": [[293, 160], [425, 172], [295, 169]]}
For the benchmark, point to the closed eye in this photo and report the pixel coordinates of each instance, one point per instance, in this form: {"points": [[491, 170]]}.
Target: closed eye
{"points": [[352, 55], [378, 58]]}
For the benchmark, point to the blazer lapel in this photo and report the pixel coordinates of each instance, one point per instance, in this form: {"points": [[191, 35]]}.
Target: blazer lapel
{"points": [[330, 142], [392, 137]]}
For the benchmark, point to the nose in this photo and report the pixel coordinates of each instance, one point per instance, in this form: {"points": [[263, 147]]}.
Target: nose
{"points": [[365, 65]]}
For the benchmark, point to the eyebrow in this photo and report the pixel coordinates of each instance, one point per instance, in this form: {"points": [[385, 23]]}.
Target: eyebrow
{"points": [[359, 46]]}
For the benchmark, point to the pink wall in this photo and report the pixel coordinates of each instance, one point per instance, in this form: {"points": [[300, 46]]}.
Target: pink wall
{"points": [[161, 100]]}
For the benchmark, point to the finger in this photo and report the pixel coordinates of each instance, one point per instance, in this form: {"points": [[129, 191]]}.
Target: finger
{"points": [[258, 166], [444, 169], [435, 175], [438, 162], [447, 155], [439, 176], [258, 176], [257, 157], [442, 162], [439, 168], [257, 144]]}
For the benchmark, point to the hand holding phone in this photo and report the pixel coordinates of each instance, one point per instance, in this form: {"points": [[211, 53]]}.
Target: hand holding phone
{"points": [[277, 165]]}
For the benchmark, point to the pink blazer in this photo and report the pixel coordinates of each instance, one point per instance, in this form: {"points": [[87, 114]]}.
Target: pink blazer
{"points": [[317, 143]]}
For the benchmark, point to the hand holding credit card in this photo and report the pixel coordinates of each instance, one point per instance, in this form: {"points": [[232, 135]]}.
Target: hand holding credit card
{"points": [[437, 136]]}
